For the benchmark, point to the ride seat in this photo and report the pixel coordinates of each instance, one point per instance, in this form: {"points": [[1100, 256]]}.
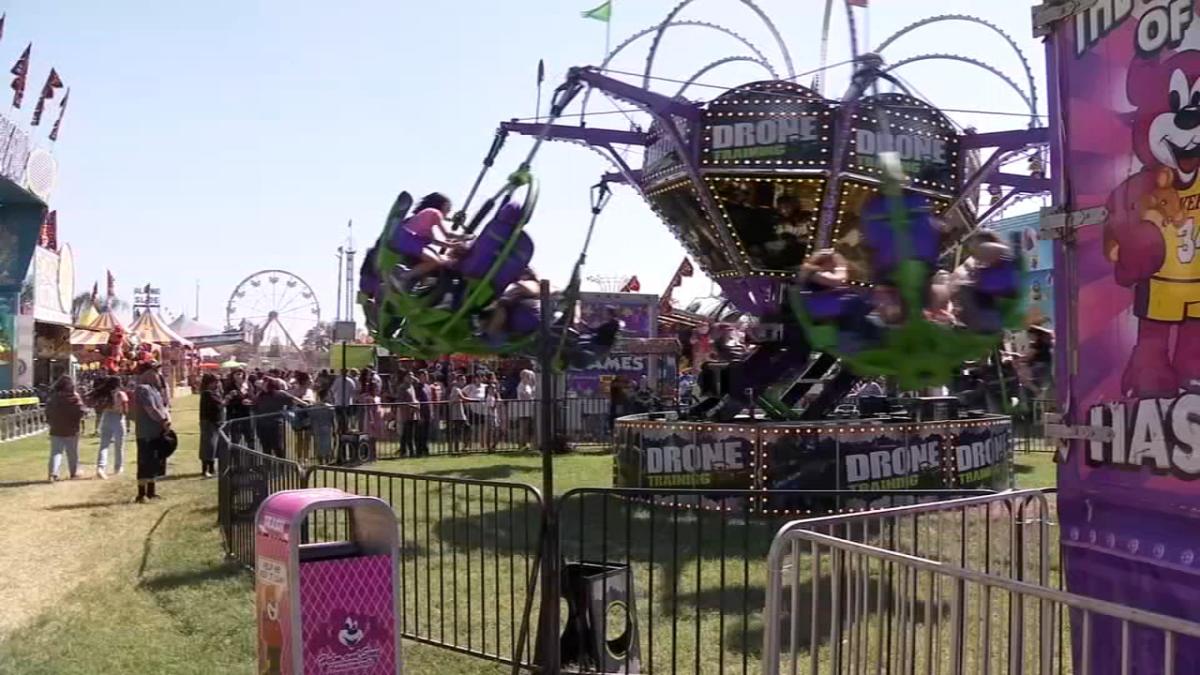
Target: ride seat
{"points": [[824, 305], [523, 319], [403, 241], [881, 237], [489, 244], [1001, 279]]}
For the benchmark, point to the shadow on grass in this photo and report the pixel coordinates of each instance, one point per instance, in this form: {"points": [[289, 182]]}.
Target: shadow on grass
{"points": [[496, 472], [90, 505], [166, 582], [883, 606], [179, 476], [21, 483]]}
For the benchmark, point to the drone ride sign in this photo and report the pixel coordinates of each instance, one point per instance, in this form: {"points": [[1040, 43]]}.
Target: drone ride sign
{"points": [[768, 124], [767, 153]]}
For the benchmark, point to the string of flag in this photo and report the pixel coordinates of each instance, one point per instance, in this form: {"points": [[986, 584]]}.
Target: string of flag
{"points": [[20, 72], [685, 270]]}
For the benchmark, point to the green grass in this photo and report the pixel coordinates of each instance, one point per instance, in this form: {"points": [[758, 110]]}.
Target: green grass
{"points": [[96, 584]]}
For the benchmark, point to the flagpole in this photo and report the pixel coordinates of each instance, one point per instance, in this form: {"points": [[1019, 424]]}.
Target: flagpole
{"points": [[607, 37], [537, 113]]}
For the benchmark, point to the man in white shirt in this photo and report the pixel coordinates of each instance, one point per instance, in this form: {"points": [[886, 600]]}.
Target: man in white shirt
{"points": [[476, 394], [343, 390]]}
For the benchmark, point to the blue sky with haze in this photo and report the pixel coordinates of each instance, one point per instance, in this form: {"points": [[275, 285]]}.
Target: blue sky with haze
{"points": [[209, 140]]}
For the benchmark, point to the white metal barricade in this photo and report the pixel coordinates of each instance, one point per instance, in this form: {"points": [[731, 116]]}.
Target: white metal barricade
{"points": [[967, 586]]}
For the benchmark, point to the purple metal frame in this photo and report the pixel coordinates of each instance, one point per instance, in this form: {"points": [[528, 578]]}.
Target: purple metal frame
{"points": [[665, 110]]}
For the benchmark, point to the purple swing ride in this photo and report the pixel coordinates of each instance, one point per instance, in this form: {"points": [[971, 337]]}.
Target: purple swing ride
{"points": [[752, 183], [756, 179]]}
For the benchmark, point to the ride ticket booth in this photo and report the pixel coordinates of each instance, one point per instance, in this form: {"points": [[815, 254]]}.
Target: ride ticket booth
{"points": [[328, 606]]}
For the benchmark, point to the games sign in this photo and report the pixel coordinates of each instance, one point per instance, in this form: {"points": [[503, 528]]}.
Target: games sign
{"points": [[916, 131], [638, 313], [1129, 498], [768, 123]]}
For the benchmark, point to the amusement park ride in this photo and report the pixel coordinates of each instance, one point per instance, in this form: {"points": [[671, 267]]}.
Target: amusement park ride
{"points": [[752, 183], [279, 309], [769, 186]]}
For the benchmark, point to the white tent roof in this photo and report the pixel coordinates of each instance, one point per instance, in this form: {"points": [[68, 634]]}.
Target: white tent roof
{"points": [[188, 328]]}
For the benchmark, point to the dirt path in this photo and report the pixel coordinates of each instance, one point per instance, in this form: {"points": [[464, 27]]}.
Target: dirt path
{"points": [[60, 536]]}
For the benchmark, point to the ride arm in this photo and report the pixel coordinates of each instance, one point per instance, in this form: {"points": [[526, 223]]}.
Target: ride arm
{"points": [[563, 132]]}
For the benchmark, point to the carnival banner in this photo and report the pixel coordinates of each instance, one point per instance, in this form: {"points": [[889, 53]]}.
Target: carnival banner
{"points": [[1128, 311], [697, 459], [981, 456], [639, 315], [777, 123]]}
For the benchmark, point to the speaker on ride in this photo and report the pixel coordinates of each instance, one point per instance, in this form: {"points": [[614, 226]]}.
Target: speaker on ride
{"points": [[601, 633], [355, 449]]}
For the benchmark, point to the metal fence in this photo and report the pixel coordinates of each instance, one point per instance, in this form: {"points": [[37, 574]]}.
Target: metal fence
{"points": [[395, 430], [693, 561], [442, 427], [693, 570], [468, 560], [1029, 426], [247, 478], [15, 423], [964, 586]]}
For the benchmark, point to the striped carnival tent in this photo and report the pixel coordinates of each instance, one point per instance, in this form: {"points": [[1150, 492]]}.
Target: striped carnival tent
{"points": [[149, 327], [85, 337], [107, 321]]}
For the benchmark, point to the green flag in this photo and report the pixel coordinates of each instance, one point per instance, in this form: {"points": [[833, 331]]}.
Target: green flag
{"points": [[601, 13]]}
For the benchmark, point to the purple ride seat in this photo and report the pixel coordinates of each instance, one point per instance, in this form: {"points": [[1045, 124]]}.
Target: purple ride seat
{"points": [[490, 242], [523, 320], [824, 305], [368, 276], [880, 237], [405, 242], [1000, 279]]}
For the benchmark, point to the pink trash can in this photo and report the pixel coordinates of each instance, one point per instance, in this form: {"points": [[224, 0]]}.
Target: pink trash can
{"points": [[328, 607]]}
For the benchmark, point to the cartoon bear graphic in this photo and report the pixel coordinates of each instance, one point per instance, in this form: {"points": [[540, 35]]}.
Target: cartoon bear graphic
{"points": [[1150, 234]]}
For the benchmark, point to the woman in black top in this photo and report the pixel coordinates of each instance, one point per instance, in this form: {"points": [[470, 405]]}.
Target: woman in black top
{"points": [[212, 414], [237, 409]]}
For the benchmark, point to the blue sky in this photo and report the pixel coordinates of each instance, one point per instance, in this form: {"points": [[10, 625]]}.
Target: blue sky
{"points": [[210, 140]]}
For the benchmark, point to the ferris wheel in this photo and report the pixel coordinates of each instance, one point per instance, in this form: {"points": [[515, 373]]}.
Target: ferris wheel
{"points": [[281, 307]]}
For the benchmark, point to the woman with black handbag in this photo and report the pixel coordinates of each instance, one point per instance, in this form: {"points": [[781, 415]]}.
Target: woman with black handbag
{"points": [[155, 440]]}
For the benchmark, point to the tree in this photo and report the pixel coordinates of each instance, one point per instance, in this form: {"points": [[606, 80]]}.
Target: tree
{"points": [[81, 301], [318, 338]]}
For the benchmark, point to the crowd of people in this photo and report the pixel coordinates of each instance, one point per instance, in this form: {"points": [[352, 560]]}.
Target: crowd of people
{"points": [[144, 401], [414, 406], [258, 408]]}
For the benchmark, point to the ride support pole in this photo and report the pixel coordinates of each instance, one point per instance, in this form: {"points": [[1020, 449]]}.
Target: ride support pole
{"points": [[551, 576]]}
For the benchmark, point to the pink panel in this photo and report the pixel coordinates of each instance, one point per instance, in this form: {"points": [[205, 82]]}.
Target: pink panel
{"points": [[349, 616]]}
